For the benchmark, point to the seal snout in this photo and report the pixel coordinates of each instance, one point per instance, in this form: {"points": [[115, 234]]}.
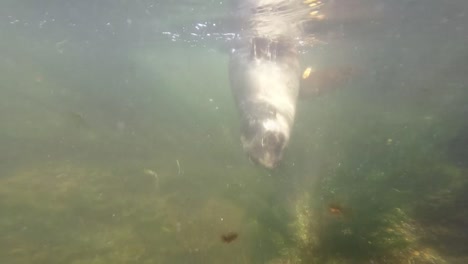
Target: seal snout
{"points": [[267, 148], [273, 141]]}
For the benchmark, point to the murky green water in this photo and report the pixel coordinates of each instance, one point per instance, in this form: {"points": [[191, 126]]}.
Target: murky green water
{"points": [[121, 147]]}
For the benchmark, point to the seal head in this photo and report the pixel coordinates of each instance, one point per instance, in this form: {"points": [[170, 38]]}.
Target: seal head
{"points": [[265, 135]]}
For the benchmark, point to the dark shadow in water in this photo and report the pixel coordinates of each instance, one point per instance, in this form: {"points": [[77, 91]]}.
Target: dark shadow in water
{"points": [[458, 147]]}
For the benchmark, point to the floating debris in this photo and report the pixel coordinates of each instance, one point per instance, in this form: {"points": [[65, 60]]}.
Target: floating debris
{"points": [[154, 174], [306, 73], [338, 210], [229, 237], [178, 167], [150, 172]]}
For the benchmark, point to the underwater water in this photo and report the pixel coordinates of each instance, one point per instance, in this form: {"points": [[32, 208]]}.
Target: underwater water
{"points": [[119, 138]]}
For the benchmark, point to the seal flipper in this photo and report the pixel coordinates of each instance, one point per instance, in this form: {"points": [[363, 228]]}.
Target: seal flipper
{"points": [[316, 82]]}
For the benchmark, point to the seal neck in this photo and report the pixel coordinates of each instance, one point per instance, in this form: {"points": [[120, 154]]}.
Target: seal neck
{"points": [[268, 49]]}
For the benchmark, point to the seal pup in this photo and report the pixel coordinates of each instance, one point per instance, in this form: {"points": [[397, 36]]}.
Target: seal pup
{"points": [[265, 74]]}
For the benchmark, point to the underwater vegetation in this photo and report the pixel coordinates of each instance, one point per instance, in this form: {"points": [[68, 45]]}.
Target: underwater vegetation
{"points": [[377, 193]]}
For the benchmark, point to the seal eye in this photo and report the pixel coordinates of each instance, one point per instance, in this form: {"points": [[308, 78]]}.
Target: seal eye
{"points": [[272, 113]]}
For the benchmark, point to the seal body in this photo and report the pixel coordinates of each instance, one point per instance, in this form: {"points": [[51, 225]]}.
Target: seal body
{"points": [[265, 75]]}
